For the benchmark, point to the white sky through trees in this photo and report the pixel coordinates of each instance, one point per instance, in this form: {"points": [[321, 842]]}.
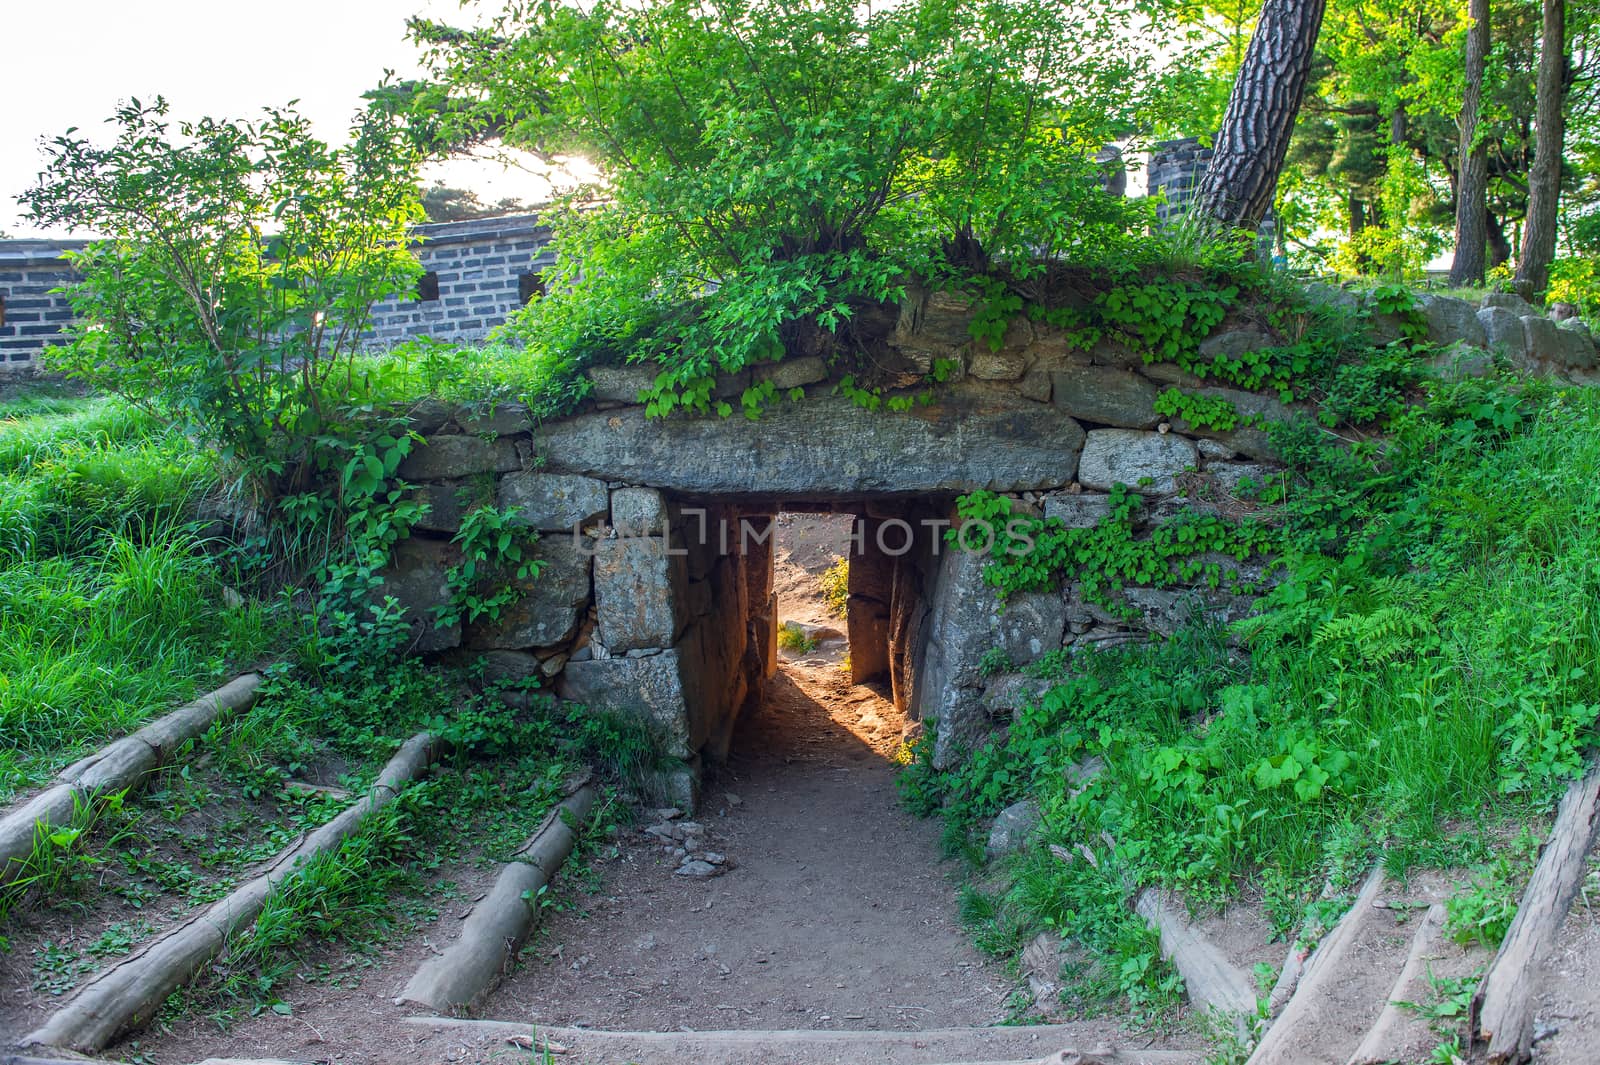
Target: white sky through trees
{"points": [[68, 64]]}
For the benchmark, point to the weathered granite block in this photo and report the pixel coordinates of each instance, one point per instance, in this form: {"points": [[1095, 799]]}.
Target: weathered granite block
{"points": [[551, 604], [554, 502], [1128, 456], [636, 585], [649, 687]]}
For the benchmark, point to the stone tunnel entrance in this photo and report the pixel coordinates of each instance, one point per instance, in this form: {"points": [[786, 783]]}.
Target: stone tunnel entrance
{"points": [[689, 608]]}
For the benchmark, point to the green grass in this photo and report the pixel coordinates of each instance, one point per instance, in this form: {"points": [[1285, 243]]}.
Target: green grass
{"points": [[110, 603], [93, 646]]}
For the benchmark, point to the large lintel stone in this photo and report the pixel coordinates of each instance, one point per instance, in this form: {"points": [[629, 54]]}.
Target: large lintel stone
{"points": [[825, 447]]}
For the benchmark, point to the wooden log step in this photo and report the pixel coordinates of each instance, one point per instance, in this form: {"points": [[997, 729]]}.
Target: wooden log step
{"points": [[132, 991], [120, 766]]}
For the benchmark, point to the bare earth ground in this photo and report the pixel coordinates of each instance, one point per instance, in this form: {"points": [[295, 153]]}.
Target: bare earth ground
{"points": [[1567, 1023], [837, 913]]}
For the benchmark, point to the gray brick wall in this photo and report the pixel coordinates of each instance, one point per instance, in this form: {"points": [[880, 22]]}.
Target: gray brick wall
{"points": [[1176, 167], [32, 316], [478, 265]]}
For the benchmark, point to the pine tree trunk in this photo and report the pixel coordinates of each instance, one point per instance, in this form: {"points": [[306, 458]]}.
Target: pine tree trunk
{"points": [[1544, 180], [1472, 185], [1240, 181]]}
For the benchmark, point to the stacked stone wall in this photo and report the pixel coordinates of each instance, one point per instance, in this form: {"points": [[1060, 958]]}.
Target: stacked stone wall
{"points": [[656, 595]]}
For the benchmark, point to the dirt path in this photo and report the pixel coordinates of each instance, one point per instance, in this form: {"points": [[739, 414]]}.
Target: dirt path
{"points": [[837, 913], [1567, 1024]]}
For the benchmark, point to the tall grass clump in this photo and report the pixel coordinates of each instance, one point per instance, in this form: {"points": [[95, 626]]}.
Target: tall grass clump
{"points": [[35, 431], [90, 647]]}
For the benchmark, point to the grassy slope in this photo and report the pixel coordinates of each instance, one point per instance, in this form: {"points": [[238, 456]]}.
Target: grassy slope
{"points": [[1428, 674], [110, 609]]}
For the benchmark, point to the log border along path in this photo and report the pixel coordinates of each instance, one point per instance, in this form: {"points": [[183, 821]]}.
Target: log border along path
{"points": [[122, 765], [130, 993]]}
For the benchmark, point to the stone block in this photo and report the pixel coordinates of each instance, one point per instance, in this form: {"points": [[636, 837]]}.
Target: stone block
{"points": [[1565, 344], [1007, 364], [1511, 302], [939, 322], [1013, 828], [636, 586], [1129, 456], [649, 687], [1503, 331], [1231, 343], [637, 511], [501, 419], [448, 502], [1029, 625], [792, 373], [1451, 320], [1106, 395], [1006, 694], [554, 502], [1036, 385], [826, 447], [1541, 336], [446, 456], [1165, 611], [428, 415], [1459, 361], [416, 578], [506, 667], [622, 384], [1228, 476], [1333, 295], [1077, 510], [551, 604]]}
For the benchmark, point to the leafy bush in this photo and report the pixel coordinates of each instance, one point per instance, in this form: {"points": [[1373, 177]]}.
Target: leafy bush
{"points": [[1426, 659], [241, 264], [835, 581], [771, 171]]}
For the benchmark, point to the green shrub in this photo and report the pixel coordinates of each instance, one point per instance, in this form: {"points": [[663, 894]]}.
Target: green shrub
{"points": [[771, 172], [835, 581], [795, 640], [238, 274]]}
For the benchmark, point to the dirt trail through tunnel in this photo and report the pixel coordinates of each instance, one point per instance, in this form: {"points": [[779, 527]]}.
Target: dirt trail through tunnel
{"points": [[836, 913]]}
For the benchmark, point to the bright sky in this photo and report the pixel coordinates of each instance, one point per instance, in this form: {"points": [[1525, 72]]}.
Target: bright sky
{"points": [[69, 63]]}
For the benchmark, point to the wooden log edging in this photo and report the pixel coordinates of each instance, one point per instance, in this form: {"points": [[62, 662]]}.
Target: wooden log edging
{"points": [[121, 765], [1380, 1038], [1503, 1007], [459, 979], [1321, 966], [1212, 981], [131, 992]]}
